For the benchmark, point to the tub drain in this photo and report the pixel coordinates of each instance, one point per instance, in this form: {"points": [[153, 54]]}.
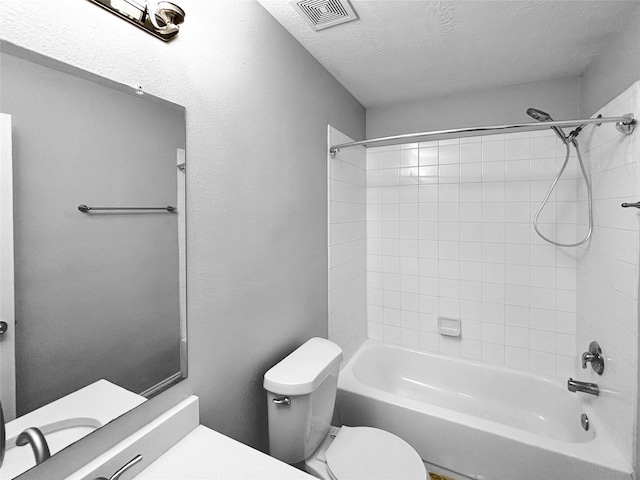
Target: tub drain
{"points": [[584, 420]]}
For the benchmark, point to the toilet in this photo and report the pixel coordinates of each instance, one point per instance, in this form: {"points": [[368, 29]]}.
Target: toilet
{"points": [[301, 393]]}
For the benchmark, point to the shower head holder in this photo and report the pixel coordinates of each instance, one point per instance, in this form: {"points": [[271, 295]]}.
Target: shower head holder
{"points": [[627, 127]]}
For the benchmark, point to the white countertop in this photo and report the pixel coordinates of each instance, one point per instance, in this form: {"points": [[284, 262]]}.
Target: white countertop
{"points": [[101, 400], [205, 454]]}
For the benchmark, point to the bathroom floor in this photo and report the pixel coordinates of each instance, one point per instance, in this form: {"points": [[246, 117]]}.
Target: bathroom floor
{"points": [[439, 473], [435, 476]]}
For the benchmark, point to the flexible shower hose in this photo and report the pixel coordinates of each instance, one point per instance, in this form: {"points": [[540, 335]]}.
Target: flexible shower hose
{"points": [[553, 186]]}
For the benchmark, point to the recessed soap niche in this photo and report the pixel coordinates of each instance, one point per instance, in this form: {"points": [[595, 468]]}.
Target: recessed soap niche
{"points": [[451, 327]]}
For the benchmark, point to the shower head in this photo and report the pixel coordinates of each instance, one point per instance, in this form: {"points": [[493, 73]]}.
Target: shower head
{"points": [[545, 117], [539, 115]]}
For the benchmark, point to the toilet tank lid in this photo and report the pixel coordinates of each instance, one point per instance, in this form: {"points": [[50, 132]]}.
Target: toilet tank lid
{"points": [[302, 371]]}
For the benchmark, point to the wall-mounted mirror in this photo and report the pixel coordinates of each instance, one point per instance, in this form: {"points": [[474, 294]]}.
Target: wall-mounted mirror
{"points": [[100, 294]]}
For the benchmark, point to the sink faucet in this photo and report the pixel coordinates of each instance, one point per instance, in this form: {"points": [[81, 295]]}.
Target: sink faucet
{"points": [[35, 437], [586, 387]]}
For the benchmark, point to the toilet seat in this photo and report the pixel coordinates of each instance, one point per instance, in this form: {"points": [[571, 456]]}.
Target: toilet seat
{"points": [[372, 454]]}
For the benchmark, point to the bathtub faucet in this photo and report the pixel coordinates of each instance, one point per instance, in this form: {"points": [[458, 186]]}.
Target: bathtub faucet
{"points": [[586, 387], [595, 357]]}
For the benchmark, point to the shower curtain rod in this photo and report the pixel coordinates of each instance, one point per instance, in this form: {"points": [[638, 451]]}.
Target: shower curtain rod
{"points": [[624, 124]]}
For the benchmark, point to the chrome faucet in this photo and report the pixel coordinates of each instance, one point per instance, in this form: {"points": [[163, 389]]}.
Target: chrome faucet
{"points": [[595, 357], [35, 437], [586, 387], [123, 469]]}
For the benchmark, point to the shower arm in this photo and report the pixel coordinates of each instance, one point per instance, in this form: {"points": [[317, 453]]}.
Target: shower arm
{"points": [[625, 124]]}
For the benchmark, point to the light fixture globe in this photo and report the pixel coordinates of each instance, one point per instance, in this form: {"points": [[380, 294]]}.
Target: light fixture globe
{"points": [[165, 16], [157, 17]]}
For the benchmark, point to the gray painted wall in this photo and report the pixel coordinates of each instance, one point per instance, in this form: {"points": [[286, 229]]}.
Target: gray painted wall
{"points": [[96, 295], [615, 68], [489, 107], [258, 235], [257, 108]]}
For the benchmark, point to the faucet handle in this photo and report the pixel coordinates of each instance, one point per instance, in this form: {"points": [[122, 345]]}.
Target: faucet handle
{"points": [[123, 469], [594, 356], [587, 357]]}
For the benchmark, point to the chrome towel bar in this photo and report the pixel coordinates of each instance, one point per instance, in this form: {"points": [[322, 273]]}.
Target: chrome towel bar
{"points": [[86, 209]]}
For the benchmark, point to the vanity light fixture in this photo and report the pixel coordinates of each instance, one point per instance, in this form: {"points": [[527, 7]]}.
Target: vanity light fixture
{"points": [[157, 17]]}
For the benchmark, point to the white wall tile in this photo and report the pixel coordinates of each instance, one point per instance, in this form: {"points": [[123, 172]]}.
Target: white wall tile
{"points": [[542, 363], [517, 148], [542, 341], [448, 154], [565, 344], [517, 358], [470, 172], [517, 275], [349, 297], [493, 353], [542, 319], [516, 336], [391, 159], [428, 322], [470, 152], [517, 316], [471, 311], [493, 171], [449, 346], [471, 349], [392, 334], [493, 333], [492, 151], [375, 331], [429, 341], [428, 156], [409, 158], [543, 147]]}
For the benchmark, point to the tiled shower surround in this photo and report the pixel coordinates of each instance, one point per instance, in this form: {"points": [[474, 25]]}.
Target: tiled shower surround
{"points": [[607, 300], [449, 235], [347, 245]]}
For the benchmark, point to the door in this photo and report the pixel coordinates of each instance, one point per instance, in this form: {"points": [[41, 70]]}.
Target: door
{"points": [[7, 306]]}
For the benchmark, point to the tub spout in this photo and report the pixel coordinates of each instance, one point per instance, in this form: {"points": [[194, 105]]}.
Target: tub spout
{"points": [[586, 387], [35, 437]]}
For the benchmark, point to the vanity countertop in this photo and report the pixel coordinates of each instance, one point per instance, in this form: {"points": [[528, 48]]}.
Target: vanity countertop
{"points": [[66, 421], [207, 454]]}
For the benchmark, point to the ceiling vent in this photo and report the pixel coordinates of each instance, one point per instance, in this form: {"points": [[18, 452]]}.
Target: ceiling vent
{"points": [[321, 14]]}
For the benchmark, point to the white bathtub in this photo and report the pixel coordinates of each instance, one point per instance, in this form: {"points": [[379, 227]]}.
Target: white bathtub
{"points": [[478, 420]]}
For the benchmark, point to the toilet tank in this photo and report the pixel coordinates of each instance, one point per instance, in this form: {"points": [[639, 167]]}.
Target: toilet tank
{"points": [[301, 394]]}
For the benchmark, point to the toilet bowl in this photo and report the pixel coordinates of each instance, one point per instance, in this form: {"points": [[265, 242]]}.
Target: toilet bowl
{"points": [[301, 392]]}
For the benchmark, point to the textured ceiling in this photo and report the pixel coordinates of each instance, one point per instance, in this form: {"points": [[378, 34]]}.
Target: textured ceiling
{"points": [[403, 50]]}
